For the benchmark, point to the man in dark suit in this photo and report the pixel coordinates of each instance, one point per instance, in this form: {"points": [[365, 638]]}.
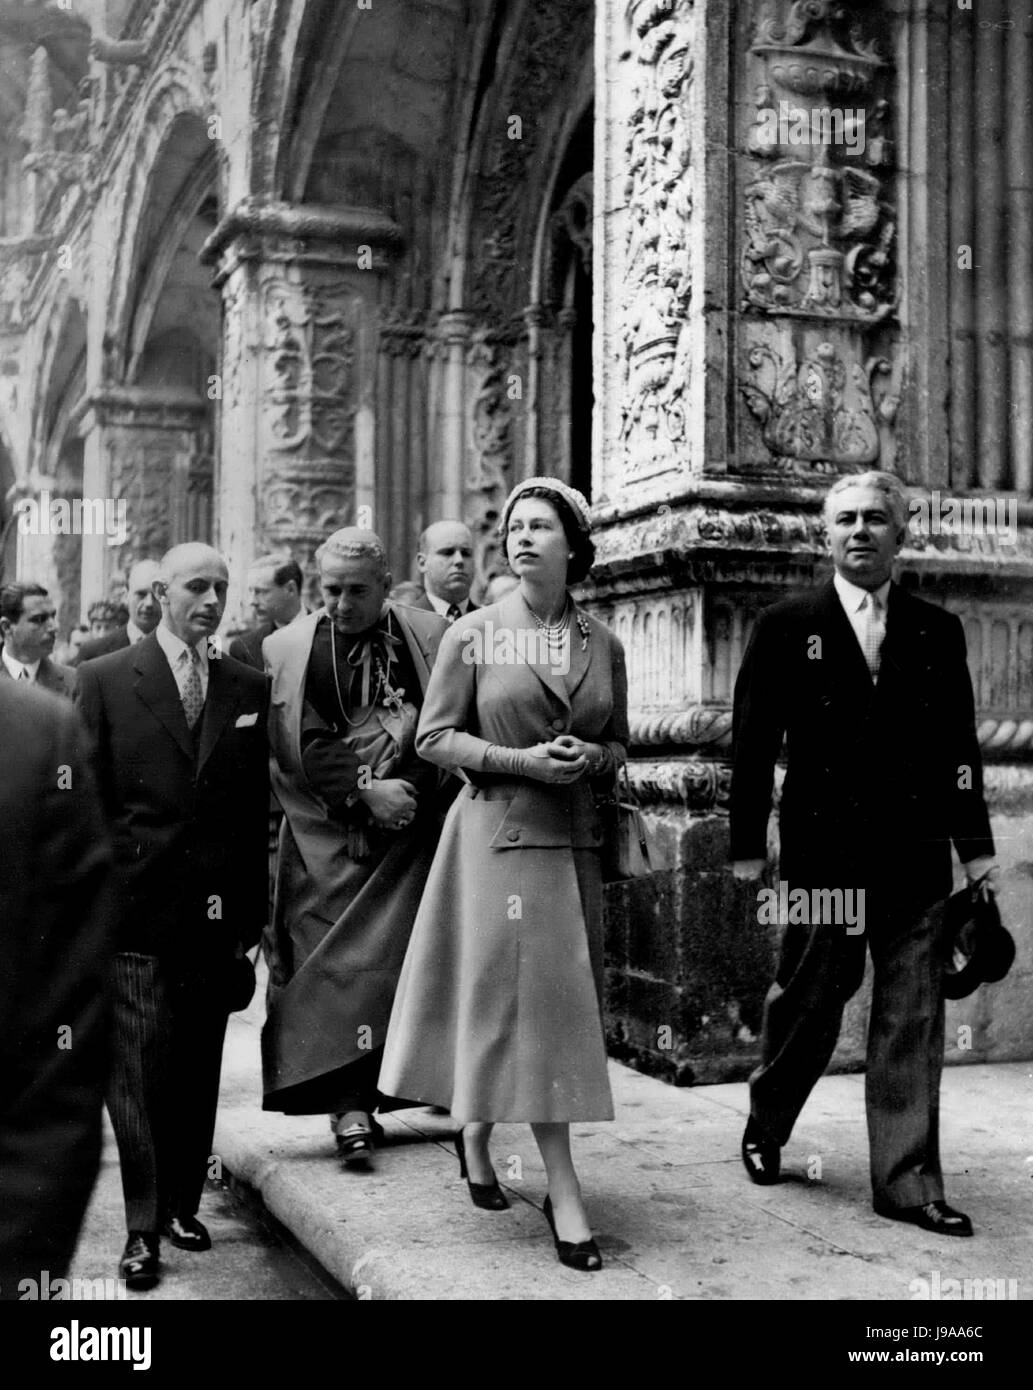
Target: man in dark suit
{"points": [[28, 631], [55, 930], [274, 592], [144, 615], [181, 747], [871, 690], [445, 560]]}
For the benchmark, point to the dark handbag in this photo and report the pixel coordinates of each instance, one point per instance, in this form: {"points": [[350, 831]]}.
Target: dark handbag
{"points": [[625, 838], [980, 948]]}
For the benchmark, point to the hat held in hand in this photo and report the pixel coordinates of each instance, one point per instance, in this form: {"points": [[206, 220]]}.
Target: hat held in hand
{"points": [[981, 948]]}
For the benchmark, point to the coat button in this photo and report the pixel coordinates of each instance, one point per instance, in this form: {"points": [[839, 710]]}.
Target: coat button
{"points": [[557, 724], [512, 834]]}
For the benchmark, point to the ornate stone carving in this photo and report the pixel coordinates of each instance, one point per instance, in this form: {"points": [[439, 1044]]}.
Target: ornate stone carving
{"points": [[552, 32], [819, 220], [310, 351], [819, 413], [693, 785], [819, 241], [657, 282], [489, 424], [308, 407]]}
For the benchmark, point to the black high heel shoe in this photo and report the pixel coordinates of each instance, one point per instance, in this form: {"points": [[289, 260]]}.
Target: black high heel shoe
{"points": [[582, 1254], [486, 1195]]}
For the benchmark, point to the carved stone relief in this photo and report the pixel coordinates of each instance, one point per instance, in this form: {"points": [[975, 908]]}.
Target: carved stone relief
{"points": [[818, 218], [656, 290], [308, 408], [822, 413]]}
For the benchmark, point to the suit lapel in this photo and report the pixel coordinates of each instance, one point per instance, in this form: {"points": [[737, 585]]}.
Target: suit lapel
{"points": [[222, 699], [841, 649], [156, 687]]}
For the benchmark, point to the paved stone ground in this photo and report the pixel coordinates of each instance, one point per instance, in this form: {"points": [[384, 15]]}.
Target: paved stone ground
{"points": [[673, 1211], [247, 1259]]}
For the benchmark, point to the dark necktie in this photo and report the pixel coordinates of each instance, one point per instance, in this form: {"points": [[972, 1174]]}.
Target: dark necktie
{"points": [[454, 611], [23, 674]]}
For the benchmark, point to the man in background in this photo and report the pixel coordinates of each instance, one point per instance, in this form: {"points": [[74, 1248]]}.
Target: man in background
{"points": [[445, 560], [144, 614], [274, 592], [56, 938], [28, 630]]}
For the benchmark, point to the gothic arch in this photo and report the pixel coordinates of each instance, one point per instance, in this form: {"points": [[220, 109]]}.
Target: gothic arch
{"points": [[174, 106]]}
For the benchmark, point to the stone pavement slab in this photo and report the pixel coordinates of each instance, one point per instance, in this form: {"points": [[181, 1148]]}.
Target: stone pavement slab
{"points": [[673, 1211]]}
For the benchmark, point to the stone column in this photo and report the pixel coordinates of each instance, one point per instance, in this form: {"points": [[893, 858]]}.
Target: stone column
{"points": [[300, 287], [148, 453]]}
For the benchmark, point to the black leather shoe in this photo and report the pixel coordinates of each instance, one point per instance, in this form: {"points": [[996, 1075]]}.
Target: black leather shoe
{"points": [[761, 1156], [357, 1144], [187, 1233], [936, 1216], [139, 1265]]}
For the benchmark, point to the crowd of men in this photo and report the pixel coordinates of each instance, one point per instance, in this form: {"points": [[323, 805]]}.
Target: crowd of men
{"points": [[176, 751], [136, 843]]}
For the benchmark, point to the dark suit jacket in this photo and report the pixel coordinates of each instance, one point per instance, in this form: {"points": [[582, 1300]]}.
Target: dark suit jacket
{"points": [[52, 676], [191, 832], [102, 646], [424, 603], [55, 938], [879, 779], [247, 646]]}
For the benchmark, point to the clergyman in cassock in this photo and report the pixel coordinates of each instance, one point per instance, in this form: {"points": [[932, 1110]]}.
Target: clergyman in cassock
{"points": [[362, 815]]}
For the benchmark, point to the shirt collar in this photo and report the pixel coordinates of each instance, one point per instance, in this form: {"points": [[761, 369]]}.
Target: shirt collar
{"points": [[852, 597], [174, 646], [442, 605], [133, 633], [15, 667]]}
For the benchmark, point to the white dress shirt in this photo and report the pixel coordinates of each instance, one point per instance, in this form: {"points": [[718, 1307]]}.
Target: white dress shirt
{"points": [[16, 667], [133, 633], [174, 647], [855, 604], [442, 605]]}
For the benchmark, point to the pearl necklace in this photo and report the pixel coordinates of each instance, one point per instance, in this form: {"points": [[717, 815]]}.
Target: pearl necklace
{"points": [[556, 633]]}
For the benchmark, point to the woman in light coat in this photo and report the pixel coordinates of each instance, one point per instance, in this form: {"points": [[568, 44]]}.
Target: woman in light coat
{"points": [[497, 1016]]}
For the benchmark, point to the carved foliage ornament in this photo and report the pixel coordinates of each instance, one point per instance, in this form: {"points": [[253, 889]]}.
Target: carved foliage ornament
{"points": [[822, 413], [657, 282], [818, 213], [489, 423], [309, 350]]}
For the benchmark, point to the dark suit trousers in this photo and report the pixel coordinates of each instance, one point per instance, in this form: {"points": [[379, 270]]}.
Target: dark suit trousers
{"points": [[820, 968], [164, 1087]]}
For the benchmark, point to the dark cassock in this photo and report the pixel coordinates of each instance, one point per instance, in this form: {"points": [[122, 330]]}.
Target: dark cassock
{"points": [[344, 710]]}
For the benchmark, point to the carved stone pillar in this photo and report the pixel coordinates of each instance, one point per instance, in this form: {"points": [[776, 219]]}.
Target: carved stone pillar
{"points": [[297, 428], [151, 451]]}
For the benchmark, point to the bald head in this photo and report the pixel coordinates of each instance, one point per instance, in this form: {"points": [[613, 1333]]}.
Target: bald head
{"points": [[445, 559], [144, 608], [191, 587]]}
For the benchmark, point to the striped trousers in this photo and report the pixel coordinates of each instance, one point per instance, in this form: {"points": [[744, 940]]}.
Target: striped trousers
{"points": [[167, 1036]]}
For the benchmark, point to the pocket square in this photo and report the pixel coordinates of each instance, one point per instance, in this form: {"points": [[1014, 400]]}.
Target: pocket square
{"points": [[246, 720]]}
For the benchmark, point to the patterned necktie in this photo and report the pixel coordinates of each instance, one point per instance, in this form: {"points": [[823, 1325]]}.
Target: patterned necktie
{"points": [[454, 612], [874, 629], [193, 691], [23, 674]]}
